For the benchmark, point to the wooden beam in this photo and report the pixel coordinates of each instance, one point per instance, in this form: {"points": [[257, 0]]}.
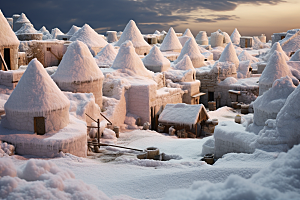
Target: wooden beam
{"points": [[4, 63]]}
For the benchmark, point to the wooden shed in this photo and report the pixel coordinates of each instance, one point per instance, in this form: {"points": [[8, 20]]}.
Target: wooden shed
{"points": [[191, 118]]}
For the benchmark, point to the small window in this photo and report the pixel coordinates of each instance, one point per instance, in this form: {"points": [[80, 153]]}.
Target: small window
{"points": [[211, 96], [282, 37], [205, 59], [48, 48], [145, 54], [65, 38]]}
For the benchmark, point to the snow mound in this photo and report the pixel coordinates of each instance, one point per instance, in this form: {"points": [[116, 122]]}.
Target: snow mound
{"points": [[272, 182], [184, 64], [226, 37], [191, 49], [36, 92], [201, 38], [73, 30], [183, 40], [296, 56], [155, 60], [258, 44], [106, 56], [46, 33], [5, 150], [88, 36], [27, 28], [77, 65], [132, 33], [156, 32], [244, 56], [275, 69], [229, 55], [235, 36], [55, 32], [127, 59], [188, 33], [276, 47], [228, 81], [7, 36], [22, 19], [171, 42], [291, 44]]}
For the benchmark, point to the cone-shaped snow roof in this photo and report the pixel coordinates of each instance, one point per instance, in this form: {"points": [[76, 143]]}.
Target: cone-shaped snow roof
{"points": [[202, 35], [132, 33], [235, 36], [244, 55], [188, 33], [275, 69], [7, 36], [229, 55], [128, 60], [184, 64], [171, 42], [55, 32], [77, 65], [156, 58], [88, 36], [22, 19], [226, 37], [156, 32], [276, 47], [296, 56], [36, 92], [73, 30], [106, 56], [44, 30], [27, 28], [191, 49]]}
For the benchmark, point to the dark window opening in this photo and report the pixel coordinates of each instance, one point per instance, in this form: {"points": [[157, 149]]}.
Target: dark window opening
{"points": [[211, 96], [48, 48], [205, 59], [7, 58], [282, 37], [193, 76], [145, 54], [39, 125], [65, 38]]}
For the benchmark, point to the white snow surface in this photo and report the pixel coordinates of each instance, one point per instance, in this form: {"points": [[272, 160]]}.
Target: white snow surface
{"points": [[244, 55], [89, 36], [132, 33], [55, 32], [156, 58], [184, 64], [171, 42], [27, 28], [36, 92], [7, 36], [22, 19], [77, 65], [73, 30], [276, 47], [106, 56], [296, 56], [235, 36], [127, 60], [188, 33], [291, 44], [5, 150], [229, 55], [180, 113]]}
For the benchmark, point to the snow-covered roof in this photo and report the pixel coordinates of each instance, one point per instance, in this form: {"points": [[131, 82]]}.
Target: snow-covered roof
{"points": [[292, 44], [201, 36], [276, 47], [171, 42], [229, 55], [181, 113], [156, 58], [106, 56], [44, 30], [244, 55], [275, 69], [188, 33], [156, 32], [55, 32], [296, 56], [22, 19], [36, 92], [184, 64], [132, 33], [27, 28], [235, 36], [77, 65], [88, 36], [191, 49], [73, 30], [226, 37], [7, 36], [128, 61]]}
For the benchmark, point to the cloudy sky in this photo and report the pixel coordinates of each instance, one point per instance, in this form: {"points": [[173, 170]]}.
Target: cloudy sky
{"points": [[251, 17]]}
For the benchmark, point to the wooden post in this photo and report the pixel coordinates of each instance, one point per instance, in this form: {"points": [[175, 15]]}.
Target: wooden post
{"points": [[98, 135]]}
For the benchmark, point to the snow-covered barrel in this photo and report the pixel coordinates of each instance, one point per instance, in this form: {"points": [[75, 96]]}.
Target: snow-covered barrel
{"points": [[201, 38], [216, 39], [112, 36]]}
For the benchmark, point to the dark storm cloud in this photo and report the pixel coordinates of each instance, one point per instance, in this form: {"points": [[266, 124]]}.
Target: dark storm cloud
{"points": [[215, 18], [115, 14]]}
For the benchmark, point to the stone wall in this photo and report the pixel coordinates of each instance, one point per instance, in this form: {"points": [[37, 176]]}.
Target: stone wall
{"points": [[192, 88], [13, 56], [10, 78]]}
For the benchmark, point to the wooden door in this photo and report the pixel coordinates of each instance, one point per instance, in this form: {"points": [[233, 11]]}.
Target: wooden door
{"points": [[39, 125], [7, 57]]}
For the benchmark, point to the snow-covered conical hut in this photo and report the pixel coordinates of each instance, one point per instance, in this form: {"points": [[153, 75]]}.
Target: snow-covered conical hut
{"points": [[9, 45], [67, 36], [46, 33], [20, 21], [106, 56], [132, 33], [185, 37], [156, 32], [27, 32], [127, 61], [78, 72], [91, 38], [191, 49], [275, 69], [276, 47], [36, 96], [235, 36], [296, 56], [201, 38], [245, 56], [171, 42], [73, 30], [188, 33], [229, 55], [216, 39], [184, 71], [55, 32], [155, 61], [268, 105], [226, 38]]}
